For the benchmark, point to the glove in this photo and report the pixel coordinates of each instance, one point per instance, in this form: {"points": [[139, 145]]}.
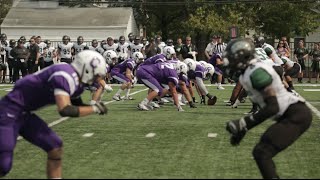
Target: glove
{"points": [[180, 109], [100, 108], [192, 105], [203, 100], [237, 129], [108, 88]]}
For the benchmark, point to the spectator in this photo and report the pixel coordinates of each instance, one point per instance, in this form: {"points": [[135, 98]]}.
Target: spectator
{"points": [[301, 53], [20, 55], [152, 49], [315, 57], [209, 49], [178, 47], [188, 50], [282, 50], [286, 44], [160, 43], [10, 59], [33, 60]]}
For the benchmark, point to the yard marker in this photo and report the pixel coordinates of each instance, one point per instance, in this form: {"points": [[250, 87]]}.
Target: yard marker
{"points": [[66, 118], [212, 135], [87, 135], [150, 135]]}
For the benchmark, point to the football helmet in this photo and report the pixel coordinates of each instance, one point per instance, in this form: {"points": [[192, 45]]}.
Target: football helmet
{"points": [[80, 40], [110, 56], [190, 63], [138, 57], [89, 65], [181, 68], [203, 63], [12, 42], [238, 53], [94, 43], [209, 69], [168, 52], [65, 39]]}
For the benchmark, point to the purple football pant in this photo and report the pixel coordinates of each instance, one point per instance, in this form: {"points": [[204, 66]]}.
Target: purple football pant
{"points": [[33, 129], [217, 71], [120, 77], [149, 81]]}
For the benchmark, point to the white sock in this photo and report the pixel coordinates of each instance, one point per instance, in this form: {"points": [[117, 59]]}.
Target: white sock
{"points": [[127, 92], [219, 84], [119, 92], [93, 102], [145, 101]]}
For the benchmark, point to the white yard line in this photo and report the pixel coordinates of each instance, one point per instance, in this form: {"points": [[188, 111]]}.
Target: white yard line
{"points": [[311, 90], [87, 135], [212, 135], [66, 118]]}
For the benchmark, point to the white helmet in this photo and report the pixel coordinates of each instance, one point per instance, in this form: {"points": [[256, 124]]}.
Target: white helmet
{"points": [[190, 63], [209, 69], [168, 52], [89, 64], [110, 56], [181, 68], [203, 63], [138, 57]]}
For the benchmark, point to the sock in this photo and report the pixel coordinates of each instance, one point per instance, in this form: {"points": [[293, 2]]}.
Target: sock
{"points": [[145, 101], [127, 92], [119, 92], [290, 84], [93, 102], [219, 84]]}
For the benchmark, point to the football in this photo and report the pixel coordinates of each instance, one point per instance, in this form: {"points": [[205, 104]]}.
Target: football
{"points": [[212, 101]]}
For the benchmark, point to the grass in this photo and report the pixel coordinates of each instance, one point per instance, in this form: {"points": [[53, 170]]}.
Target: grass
{"points": [[180, 149]]}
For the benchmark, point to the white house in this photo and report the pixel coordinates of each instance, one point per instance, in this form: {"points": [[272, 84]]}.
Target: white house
{"points": [[50, 21]]}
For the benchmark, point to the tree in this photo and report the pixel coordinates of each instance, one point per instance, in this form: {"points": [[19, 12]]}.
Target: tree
{"points": [[5, 6]]}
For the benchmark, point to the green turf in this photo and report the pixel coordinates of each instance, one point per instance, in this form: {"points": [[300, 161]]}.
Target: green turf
{"points": [[180, 149]]}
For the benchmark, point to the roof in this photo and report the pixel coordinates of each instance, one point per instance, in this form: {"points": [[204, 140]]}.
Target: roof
{"points": [[68, 17]]}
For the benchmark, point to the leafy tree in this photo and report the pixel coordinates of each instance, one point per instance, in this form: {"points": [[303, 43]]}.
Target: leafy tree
{"points": [[5, 6]]}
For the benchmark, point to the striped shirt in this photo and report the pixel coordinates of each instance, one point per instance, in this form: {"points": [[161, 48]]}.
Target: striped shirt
{"points": [[219, 48]]}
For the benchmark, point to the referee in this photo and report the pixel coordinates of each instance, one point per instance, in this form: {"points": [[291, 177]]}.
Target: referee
{"points": [[220, 47]]}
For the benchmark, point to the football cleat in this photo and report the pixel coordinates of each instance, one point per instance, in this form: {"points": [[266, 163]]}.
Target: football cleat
{"points": [[142, 107], [154, 105], [220, 88], [116, 97], [128, 98]]}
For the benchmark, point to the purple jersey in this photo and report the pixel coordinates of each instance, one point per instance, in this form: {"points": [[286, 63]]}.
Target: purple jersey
{"points": [[162, 72], [155, 59], [213, 59], [200, 71], [122, 67], [37, 90]]}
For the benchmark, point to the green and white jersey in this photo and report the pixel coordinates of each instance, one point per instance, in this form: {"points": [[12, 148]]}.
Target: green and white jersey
{"points": [[286, 61], [274, 55], [257, 77], [263, 57]]}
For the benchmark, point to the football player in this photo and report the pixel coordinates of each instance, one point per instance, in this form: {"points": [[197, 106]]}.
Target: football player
{"points": [[123, 72], [65, 50], [136, 46], [60, 84], [49, 54], [265, 88], [80, 45], [123, 51], [94, 45]]}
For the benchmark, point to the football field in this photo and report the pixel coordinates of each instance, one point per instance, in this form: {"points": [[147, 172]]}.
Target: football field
{"points": [[165, 143]]}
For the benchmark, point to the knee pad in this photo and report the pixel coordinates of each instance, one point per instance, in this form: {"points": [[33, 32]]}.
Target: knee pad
{"points": [[264, 151], [5, 163]]}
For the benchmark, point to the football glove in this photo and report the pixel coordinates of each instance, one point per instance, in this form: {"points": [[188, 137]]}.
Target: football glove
{"points": [[100, 108], [237, 129]]}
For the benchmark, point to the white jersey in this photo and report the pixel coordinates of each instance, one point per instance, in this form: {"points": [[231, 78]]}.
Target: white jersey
{"points": [[135, 48], [113, 47], [2, 46], [48, 57], [274, 55], [287, 62], [161, 46], [65, 50], [263, 57], [123, 50], [79, 47], [93, 48], [8, 50], [27, 45], [41, 45], [285, 98]]}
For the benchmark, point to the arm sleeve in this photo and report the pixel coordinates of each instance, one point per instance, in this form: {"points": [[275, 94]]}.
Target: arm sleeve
{"points": [[260, 79], [201, 85]]}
